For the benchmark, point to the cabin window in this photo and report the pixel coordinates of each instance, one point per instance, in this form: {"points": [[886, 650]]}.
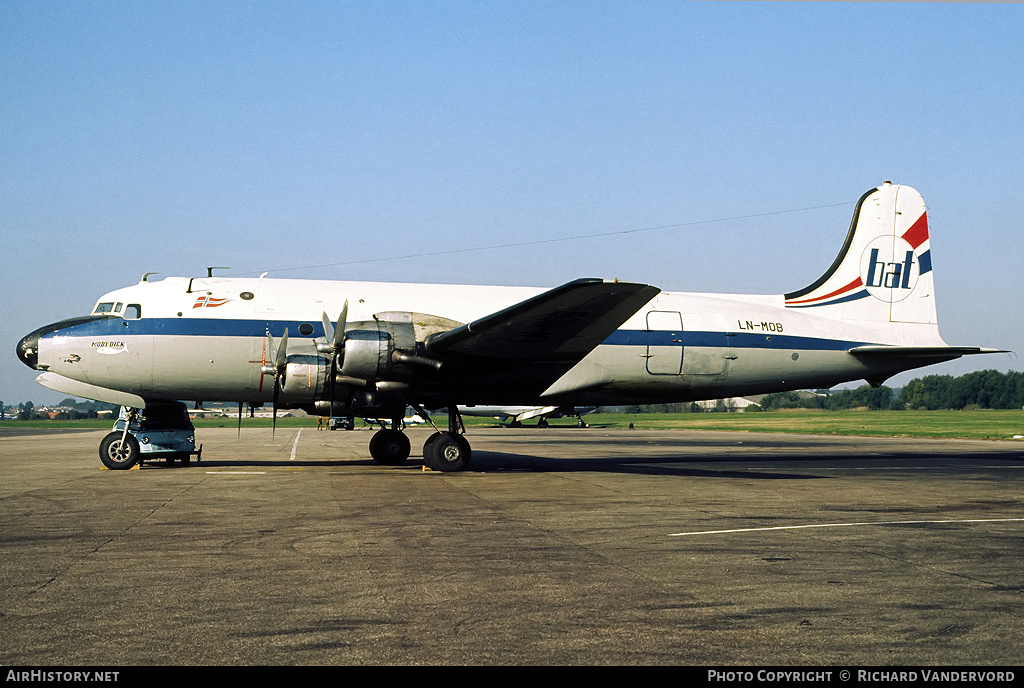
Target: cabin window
{"points": [[132, 311]]}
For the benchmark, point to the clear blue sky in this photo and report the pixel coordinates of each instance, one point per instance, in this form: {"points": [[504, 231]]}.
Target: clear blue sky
{"points": [[146, 136]]}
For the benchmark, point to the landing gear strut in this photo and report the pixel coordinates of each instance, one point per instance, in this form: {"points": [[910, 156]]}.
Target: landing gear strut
{"points": [[448, 451]]}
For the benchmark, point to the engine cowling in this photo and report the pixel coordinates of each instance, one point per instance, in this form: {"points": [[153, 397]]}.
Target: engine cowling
{"points": [[387, 347], [369, 347], [305, 377]]}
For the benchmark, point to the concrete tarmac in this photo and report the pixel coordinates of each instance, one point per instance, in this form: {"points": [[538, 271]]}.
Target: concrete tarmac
{"points": [[559, 546]]}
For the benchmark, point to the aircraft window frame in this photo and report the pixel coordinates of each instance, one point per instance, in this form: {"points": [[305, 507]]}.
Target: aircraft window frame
{"points": [[135, 308], [104, 308]]}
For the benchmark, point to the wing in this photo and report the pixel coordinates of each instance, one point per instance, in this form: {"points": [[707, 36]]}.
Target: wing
{"points": [[519, 351], [564, 323]]}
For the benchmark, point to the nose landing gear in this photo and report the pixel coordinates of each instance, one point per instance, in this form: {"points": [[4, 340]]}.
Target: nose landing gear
{"points": [[119, 451]]}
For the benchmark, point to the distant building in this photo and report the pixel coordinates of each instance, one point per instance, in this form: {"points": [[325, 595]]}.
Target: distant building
{"points": [[730, 404]]}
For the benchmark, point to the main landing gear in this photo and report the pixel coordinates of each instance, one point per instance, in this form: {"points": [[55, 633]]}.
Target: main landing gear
{"points": [[443, 451], [390, 446]]}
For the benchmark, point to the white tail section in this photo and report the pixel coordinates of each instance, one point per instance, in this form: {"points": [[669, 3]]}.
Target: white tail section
{"points": [[884, 271]]}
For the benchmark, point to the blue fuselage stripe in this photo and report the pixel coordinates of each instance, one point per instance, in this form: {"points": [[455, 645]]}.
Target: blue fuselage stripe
{"points": [[216, 327], [736, 340], [191, 327]]}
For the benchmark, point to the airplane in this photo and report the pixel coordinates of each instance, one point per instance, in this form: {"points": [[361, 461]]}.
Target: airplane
{"points": [[870, 316], [517, 414]]}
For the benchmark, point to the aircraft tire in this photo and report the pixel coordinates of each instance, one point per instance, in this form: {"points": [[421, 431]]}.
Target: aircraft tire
{"points": [[390, 447], [449, 452], [113, 457], [430, 441]]}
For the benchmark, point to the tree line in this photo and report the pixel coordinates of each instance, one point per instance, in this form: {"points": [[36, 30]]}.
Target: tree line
{"points": [[983, 389], [70, 409]]}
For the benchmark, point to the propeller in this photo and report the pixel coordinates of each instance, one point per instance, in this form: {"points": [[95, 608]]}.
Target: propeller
{"points": [[277, 370], [335, 337], [336, 345]]}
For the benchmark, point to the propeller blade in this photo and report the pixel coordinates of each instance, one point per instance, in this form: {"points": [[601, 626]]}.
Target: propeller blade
{"points": [[339, 334], [282, 353], [337, 338], [328, 327], [277, 393]]}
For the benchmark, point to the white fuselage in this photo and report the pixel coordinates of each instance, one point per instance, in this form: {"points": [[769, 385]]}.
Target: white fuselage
{"points": [[207, 339]]}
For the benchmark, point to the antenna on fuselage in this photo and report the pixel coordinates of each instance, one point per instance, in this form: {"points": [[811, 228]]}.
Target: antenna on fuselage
{"points": [[209, 274]]}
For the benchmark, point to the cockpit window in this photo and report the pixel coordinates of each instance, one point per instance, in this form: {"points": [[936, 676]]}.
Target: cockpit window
{"points": [[108, 308], [132, 311]]}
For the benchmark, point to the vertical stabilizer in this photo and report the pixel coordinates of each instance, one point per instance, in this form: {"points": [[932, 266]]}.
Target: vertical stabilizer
{"points": [[884, 271]]}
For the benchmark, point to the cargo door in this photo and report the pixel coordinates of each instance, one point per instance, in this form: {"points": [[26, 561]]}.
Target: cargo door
{"points": [[664, 343]]}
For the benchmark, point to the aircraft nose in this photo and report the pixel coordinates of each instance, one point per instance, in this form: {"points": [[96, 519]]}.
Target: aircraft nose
{"points": [[28, 349]]}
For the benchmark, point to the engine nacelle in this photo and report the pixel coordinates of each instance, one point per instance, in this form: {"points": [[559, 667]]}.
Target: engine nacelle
{"points": [[305, 377], [383, 348], [377, 363], [368, 352]]}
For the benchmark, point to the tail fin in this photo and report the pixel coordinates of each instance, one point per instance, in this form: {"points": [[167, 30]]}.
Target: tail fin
{"points": [[884, 272]]}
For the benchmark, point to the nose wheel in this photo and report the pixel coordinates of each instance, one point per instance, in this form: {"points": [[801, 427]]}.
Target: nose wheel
{"points": [[119, 451]]}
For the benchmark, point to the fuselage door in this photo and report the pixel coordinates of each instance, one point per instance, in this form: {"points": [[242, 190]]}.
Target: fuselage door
{"points": [[664, 343]]}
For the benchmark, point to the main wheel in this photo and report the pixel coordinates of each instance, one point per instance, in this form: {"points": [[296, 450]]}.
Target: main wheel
{"points": [[390, 447], [117, 457], [430, 441], [449, 452]]}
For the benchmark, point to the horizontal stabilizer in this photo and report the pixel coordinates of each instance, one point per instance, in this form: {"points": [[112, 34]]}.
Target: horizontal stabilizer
{"points": [[923, 351], [563, 324]]}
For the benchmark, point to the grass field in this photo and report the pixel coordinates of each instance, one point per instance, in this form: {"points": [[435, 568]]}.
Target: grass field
{"points": [[963, 424]]}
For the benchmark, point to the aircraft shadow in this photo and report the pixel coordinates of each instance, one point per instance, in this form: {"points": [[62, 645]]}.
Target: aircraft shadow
{"points": [[758, 467]]}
